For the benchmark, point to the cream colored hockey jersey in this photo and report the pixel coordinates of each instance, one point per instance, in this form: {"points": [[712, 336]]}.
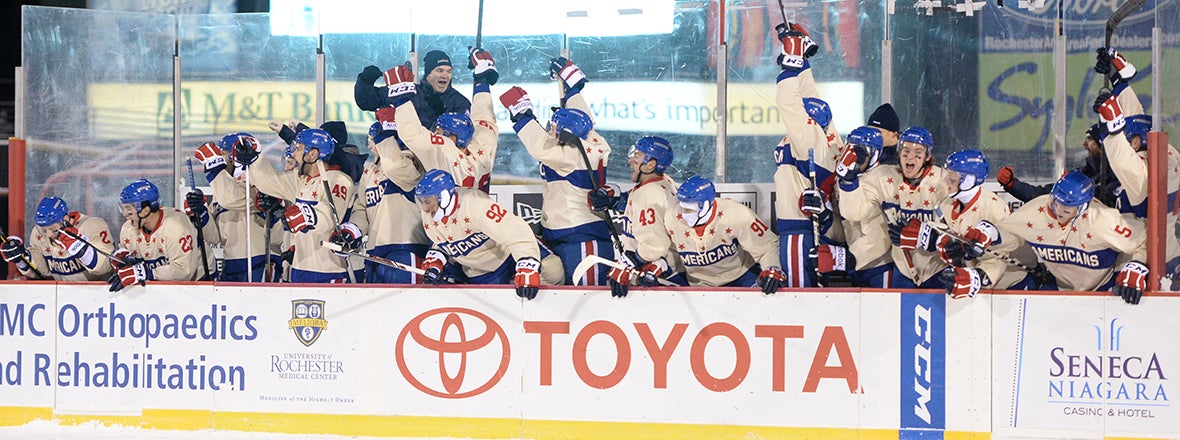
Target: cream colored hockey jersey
{"points": [[1131, 169], [389, 183], [803, 135], [567, 181], [726, 247], [986, 205], [1085, 253], [884, 190], [308, 194], [480, 234], [643, 221], [471, 167], [53, 260], [230, 195], [169, 252]]}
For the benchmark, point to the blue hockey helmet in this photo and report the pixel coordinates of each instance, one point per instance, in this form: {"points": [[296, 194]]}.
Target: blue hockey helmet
{"points": [[1137, 125], [696, 197], [434, 183], [819, 111], [971, 165], [318, 139], [457, 124], [1073, 189], [867, 136], [918, 135], [575, 121], [655, 148], [51, 210], [140, 191]]}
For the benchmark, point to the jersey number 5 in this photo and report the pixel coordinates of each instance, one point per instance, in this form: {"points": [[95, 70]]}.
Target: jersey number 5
{"points": [[1122, 230]]}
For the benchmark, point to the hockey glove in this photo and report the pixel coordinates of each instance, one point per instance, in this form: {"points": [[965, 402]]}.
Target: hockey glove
{"points": [[771, 279], [914, 234], [14, 252], [981, 236], [1109, 112], [603, 198], [77, 246], [348, 237], [517, 101], [296, 219], [620, 279], [483, 67], [963, 282], [813, 203], [848, 167], [528, 277], [568, 72], [1112, 64], [400, 81], [1042, 278], [123, 258], [195, 209], [809, 46], [953, 252], [1131, 281], [433, 265], [369, 75], [650, 273], [244, 154], [212, 157], [829, 258], [266, 204], [128, 276]]}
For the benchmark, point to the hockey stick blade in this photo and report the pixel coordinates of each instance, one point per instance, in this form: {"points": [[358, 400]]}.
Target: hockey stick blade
{"points": [[382, 261], [591, 260], [1124, 11]]}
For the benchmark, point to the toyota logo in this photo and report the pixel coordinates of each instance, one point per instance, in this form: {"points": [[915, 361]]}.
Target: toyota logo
{"points": [[444, 338]]}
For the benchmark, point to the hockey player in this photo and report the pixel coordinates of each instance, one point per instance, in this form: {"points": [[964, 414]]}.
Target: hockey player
{"points": [[395, 226], [464, 146], [1126, 146], [645, 241], [969, 205], [61, 245], [435, 95], [486, 240], [1096, 167], [230, 214], [720, 241], [573, 159], [805, 138], [310, 217], [867, 257], [1081, 241], [155, 243], [912, 189]]}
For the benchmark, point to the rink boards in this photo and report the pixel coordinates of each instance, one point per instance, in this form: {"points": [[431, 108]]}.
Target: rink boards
{"points": [[574, 363]]}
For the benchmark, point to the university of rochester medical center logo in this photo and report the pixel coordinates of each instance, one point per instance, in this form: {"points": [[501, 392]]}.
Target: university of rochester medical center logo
{"points": [[436, 348], [307, 320]]}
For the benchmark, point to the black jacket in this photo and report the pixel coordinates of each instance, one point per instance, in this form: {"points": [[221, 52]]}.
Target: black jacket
{"points": [[428, 103]]}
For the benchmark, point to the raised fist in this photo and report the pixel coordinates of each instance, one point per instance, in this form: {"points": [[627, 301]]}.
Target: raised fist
{"points": [[483, 67], [518, 103], [1109, 112], [369, 75], [568, 72], [1113, 65], [400, 82], [1006, 176], [848, 167], [211, 156]]}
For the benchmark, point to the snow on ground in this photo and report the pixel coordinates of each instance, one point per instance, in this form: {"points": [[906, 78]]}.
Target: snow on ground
{"points": [[52, 430]]}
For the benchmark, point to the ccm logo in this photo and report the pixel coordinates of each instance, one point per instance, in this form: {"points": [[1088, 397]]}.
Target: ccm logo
{"points": [[922, 330]]}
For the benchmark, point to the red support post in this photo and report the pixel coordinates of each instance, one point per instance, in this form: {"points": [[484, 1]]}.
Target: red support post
{"points": [[1157, 207], [16, 192]]}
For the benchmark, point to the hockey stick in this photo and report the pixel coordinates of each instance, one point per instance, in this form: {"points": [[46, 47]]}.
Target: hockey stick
{"points": [[268, 273], [479, 27], [192, 184], [975, 246], [591, 260], [1117, 17], [783, 9], [102, 251], [335, 216], [814, 217], [383, 261], [24, 257], [570, 139]]}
